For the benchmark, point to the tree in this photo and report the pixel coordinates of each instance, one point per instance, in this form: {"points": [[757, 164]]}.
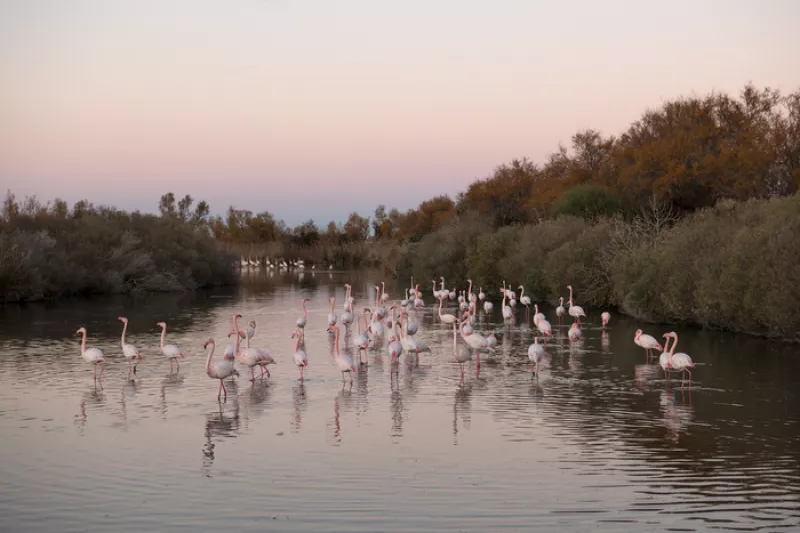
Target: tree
{"points": [[184, 207], [356, 229], [306, 234], [166, 205], [587, 201]]}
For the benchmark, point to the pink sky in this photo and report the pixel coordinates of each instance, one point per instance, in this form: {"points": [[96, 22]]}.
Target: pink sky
{"points": [[315, 109]]}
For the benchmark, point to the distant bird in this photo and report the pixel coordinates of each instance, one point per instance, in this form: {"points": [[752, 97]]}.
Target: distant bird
{"points": [[445, 318], [560, 309], [524, 300], [170, 351], [93, 356], [332, 318], [545, 329], [130, 351], [250, 331], [491, 340], [537, 316], [488, 307], [605, 317], [219, 369]]}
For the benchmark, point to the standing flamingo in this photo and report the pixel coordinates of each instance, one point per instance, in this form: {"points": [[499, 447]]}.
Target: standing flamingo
{"points": [[347, 316], [574, 332], [525, 300], [345, 362], [681, 362], [537, 316], [575, 311], [262, 358], [647, 342], [250, 331], [460, 352], [605, 317], [560, 309], [663, 359], [508, 313], [545, 329], [91, 355], [332, 318], [249, 357], [170, 351], [535, 354], [130, 351], [300, 356], [301, 322], [220, 369], [361, 341], [445, 318], [395, 348]]}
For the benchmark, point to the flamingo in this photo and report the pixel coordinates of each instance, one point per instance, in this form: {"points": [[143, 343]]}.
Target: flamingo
{"points": [[418, 302], [249, 356], [361, 341], [332, 318], [128, 350], [491, 341], [663, 359], [300, 356], [404, 303], [476, 341], [605, 317], [537, 316], [262, 358], [524, 300], [574, 311], [220, 369], [250, 331], [647, 342], [508, 313], [481, 294], [544, 327], [170, 351], [301, 322], [445, 318], [680, 361], [345, 362], [460, 352], [574, 332], [395, 347], [560, 309], [488, 307], [91, 355], [535, 354]]}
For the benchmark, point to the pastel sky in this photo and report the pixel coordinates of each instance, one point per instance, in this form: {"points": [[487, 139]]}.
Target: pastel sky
{"points": [[313, 109]]}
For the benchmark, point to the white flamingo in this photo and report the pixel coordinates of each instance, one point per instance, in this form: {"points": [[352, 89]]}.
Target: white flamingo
{"points": [[680, 362], [481, 294], [130, 351], [262, 358], [560, 309], [332, 318], [445, 318], [250, 331], [575, 311], [344, 362], [508, 313], [300, 356], [347, 316], [663, 359], [460, 352], [545, 329], [524, 300], [535, 354], [250, 357], [170, 351], [605, 317], [93, 356], [537, 316], [647, 342], [361, 341], [219, 369], [488, 307]]}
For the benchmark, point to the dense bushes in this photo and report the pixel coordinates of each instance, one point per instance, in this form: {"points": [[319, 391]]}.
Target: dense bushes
{"points": [[732, 266], [47, 252]]}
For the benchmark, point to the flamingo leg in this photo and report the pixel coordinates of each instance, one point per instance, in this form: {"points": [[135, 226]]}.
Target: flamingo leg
{"points": [[177, 364], [252, 374], [267, 370], [102, 369]]}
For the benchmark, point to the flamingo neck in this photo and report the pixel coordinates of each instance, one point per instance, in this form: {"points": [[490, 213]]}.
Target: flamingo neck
{"points": [[305, 312], [208, 359], [163, 335], [336, 343], [454, 338], [83, 343], [124, 327], [297, 343], [672, 350], [469, 291]]}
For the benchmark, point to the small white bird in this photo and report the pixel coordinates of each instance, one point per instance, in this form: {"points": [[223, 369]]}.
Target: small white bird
{"points": [[130, 351]]}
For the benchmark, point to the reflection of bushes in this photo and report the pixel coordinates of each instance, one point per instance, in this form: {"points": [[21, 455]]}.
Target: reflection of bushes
{"points": [[732, 266], [45, 253]]}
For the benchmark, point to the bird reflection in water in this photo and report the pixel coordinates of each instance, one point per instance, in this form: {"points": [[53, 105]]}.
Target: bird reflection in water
{"points": [[396, 409], [605, 341], [130, 387], [218, 425], [254, 401], [94, 397], [341, 401], [172, 382], [677, 417], [300, 405], [462, 403]]}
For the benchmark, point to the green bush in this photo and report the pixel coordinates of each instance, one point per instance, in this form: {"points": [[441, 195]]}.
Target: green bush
{"points": [[587, 201]]}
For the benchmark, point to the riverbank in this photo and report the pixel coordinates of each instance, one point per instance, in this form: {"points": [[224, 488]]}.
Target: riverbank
{"points": [[731, 267]]}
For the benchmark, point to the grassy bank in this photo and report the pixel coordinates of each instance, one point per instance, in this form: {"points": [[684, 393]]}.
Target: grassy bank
{"points": [[732, 266], [48, 251]]}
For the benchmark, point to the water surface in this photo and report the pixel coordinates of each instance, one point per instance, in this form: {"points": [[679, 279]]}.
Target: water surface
{"points": [[599, 441]]}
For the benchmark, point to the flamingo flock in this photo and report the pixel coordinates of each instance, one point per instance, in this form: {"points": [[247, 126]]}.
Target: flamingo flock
{"points": [[394, 330]]}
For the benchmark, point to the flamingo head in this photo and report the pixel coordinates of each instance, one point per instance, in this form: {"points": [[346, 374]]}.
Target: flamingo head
{"points": [[574, 325], [561, 300], [305, 300], [122, 319], [237, 315], [295, 334], [569, 287], [332, 299], [209, 341], [639, 334], [231, 333], [161, 324], [81, 331]]}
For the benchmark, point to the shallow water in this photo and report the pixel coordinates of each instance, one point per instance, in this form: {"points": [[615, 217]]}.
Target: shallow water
{"points": [[599, 441]]}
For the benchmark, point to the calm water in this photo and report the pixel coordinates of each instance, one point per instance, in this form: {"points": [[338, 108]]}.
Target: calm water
{"points": [[600, 441]]}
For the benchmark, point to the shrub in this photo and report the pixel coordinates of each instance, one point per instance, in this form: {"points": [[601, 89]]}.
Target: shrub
{"points": [[587, 201]]}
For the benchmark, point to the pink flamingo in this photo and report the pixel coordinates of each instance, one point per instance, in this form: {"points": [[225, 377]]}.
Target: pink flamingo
{"points": [[535, 354], [219, 369], [171, 351], [345, 362], [560, 309], [300, 356], [605, 317], [680, 361], [574, 311], [91, 355], [301, 322], [574, 332], [128, 350], [647, 342]]}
